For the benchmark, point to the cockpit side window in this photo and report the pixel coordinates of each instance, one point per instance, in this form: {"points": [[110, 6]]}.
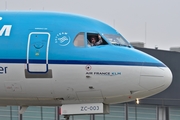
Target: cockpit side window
{"points": [[79, 40], [94, 39]]}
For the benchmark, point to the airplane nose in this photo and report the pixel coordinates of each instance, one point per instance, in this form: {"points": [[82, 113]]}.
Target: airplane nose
{"points": [[153, 77]]}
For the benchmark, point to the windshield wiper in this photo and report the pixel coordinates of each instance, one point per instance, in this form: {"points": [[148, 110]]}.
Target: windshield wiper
{"points": [[118, 44]]}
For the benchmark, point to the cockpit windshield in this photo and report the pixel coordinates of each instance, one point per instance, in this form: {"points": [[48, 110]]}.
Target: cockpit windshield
{"points": [[116, 39]]}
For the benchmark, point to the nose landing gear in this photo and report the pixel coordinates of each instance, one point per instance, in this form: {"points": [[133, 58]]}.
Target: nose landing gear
{"points": [[67, 117]]}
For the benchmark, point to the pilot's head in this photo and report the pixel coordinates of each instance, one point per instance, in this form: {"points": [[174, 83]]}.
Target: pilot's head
{"points": [[93, 39]]}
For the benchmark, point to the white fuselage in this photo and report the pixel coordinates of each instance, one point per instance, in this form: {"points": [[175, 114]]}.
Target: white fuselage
{"points": [[79, 84]]}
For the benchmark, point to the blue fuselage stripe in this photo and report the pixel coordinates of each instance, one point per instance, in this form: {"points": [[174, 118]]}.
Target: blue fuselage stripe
{"points": [[81, 62]]}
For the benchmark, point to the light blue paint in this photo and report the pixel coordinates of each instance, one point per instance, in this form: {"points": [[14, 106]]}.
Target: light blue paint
{"points": [[14, 47]]}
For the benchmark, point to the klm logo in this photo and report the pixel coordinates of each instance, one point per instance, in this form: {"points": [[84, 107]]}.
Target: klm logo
{"points": [[5, 30]]}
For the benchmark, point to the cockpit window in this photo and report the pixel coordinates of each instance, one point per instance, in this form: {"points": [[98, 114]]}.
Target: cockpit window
{"points": [[116, 39], [79, 40], [94, 39]]}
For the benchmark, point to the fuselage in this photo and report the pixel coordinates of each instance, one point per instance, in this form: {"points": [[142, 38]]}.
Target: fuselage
{"points": [[45, 60]]}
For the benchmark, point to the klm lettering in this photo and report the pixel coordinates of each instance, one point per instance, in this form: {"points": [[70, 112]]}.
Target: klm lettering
{"points": [[5, 30]]}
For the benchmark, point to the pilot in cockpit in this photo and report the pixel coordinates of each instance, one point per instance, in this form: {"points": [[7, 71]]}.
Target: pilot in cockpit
{"points": [[94, 41]]}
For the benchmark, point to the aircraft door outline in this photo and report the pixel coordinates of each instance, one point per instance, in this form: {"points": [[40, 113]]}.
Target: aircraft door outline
{"points": [[37, 52]]}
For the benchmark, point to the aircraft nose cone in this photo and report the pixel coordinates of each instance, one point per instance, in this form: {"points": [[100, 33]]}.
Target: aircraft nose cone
{"points": [[155, 77], [167, 77]]}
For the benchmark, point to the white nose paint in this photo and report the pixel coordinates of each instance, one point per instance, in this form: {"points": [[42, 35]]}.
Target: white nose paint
{"points": [[154, 77], [0, 18]]}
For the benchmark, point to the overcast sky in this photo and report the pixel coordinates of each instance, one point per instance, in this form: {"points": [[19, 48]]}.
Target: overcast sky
{"points": [[155, 22]]}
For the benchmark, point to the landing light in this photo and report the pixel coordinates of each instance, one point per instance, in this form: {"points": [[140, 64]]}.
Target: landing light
{"points": [[137, 101]]}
